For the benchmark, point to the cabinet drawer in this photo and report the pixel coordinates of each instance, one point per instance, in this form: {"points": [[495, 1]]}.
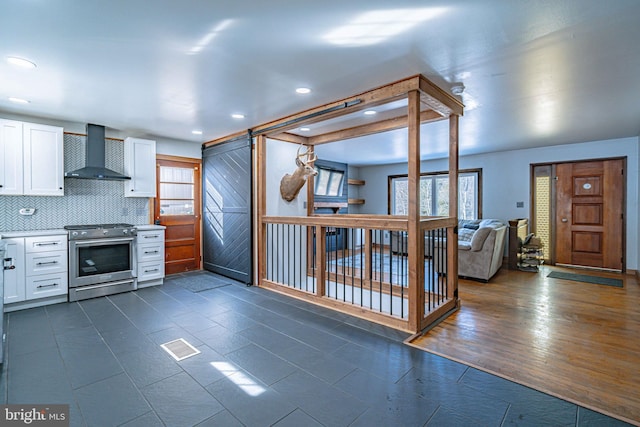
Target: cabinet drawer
{"points": [[46, 243], [150, 270], [46, 286], [151, 252], [46, 263], [150, 236]]}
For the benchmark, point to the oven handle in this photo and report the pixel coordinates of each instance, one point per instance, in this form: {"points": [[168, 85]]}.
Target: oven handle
{"points": [[105, 241]]}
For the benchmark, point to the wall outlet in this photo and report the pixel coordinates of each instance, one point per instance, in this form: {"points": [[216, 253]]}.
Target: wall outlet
{"points": [[519, 204], [27, 211]]}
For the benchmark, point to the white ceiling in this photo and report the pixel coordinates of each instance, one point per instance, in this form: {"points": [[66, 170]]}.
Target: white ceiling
{"points": [[536, 72]]}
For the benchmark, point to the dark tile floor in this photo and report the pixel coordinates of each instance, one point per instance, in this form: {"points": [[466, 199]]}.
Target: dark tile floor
{"points": [[265, 360]]}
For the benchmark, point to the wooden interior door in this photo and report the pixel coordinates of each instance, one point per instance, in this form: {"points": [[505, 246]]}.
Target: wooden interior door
{"points": [[178, 207], [589, 219]]}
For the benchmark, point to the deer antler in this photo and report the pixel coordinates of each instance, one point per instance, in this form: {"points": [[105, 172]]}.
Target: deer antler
{"points": [[290, 184], [311, 157]]}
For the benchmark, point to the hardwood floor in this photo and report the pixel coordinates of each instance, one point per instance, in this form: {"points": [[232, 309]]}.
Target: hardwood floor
{"points": [[575, 340]]}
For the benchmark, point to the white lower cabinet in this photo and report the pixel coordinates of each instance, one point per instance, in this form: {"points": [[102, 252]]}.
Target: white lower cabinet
{"points": [[150, 257], [36, 272], [14, 271]]}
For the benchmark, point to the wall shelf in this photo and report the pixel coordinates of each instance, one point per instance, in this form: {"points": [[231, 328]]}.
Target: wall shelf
{"points": [[356, 201], [355, 181], [331, 205]]}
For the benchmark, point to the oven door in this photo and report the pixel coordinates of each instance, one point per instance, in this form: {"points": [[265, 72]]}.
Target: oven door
{"points": [[101, 260]]}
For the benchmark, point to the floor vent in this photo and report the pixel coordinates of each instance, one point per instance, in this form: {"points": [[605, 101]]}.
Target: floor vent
{"points": [[180, 349]]}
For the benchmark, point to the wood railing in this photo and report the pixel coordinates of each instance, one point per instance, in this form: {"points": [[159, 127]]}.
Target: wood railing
{"points": [[362, 265]]}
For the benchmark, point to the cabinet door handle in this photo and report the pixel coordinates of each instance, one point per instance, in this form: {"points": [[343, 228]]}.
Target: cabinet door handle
{"points": [[152, 270], [47, 263], [51, 285], [151, 252], [151, 237], [48, 244]]}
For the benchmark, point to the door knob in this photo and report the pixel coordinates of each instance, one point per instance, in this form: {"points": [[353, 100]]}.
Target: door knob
{"points": [[564, 220]]}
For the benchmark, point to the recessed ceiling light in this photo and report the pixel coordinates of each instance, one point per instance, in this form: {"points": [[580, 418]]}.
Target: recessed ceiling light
{"points": [[20, 62], [196, 132], [369, 113], [305, 129], [237, 116], [457, 89], [303, 90], [18, 100]]}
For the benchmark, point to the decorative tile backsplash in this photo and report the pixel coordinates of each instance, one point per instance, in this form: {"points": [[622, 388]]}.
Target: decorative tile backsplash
{"points": [[85, 201]]}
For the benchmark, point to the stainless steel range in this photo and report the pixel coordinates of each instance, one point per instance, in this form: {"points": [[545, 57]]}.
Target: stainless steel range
{"points": [[101, 260]]}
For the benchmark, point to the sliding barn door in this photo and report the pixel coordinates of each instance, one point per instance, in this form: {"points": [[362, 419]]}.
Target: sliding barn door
{"points": [[227, 209]]}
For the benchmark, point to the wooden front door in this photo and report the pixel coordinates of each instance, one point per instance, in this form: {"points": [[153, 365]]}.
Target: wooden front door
{"points": [[589, 214], [177, 207]]}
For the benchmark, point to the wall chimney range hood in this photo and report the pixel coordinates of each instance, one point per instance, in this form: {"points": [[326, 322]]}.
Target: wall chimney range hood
{"points": [[95, 158]]}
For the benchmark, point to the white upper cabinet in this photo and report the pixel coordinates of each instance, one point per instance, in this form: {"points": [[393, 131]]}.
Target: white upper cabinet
{"points": [[140, 165], [32, 159], [43, 160], [11, 164]]}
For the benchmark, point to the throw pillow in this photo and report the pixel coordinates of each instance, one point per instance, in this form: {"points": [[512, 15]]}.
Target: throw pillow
{"points": [[479, 237], [465, 234]]}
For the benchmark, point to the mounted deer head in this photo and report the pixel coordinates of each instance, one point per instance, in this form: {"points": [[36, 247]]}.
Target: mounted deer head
{"points": [[290, 185]]}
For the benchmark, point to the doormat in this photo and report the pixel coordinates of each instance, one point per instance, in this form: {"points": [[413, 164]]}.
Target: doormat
{"points": [[199, 284], [585, 278]]}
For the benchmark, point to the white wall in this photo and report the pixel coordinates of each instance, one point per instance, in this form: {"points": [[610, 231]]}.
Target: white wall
{"points": [[506, 180], [280, 161]]}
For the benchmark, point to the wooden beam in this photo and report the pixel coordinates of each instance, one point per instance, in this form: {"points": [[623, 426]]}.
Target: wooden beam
{"points": [[452, 235], [376, 222], [261, 198], [415, 238], [372, 128], [289, 137], [224, 139], [436, 97], [381, 95]]}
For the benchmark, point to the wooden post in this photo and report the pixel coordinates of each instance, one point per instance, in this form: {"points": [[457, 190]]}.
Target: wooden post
{"points": [[321, 258], [261, 164], [415, 239], [452, 235]]}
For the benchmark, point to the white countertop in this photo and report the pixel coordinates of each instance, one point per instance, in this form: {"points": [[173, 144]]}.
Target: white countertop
{"points": [[10, 234], [149, 227], [57, 231]]}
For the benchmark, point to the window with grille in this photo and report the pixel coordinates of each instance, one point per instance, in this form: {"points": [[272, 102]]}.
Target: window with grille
{"points": [[434, 194]]}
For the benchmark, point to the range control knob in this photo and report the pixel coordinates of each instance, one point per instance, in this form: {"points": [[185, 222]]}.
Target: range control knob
{"points": [[125, 231], [74, 233]]}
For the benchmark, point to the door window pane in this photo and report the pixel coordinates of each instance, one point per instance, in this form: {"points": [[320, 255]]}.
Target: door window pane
{"points": [[176, 191]]}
